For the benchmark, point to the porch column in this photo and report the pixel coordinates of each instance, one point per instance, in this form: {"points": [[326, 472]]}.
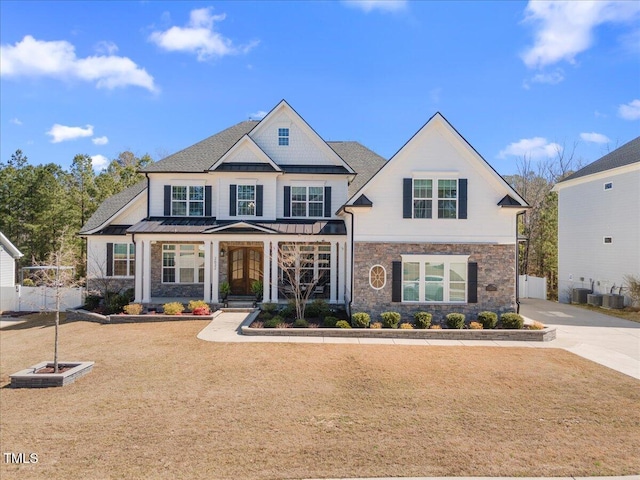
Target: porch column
{"points": [[341, 270], [207, 271], [215, 271], [266, 272], [333, 272], [146, 276], [139, 271], [274, 271]]}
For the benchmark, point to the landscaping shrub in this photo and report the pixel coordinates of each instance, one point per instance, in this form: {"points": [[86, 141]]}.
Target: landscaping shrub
{"points": [[488, 319], [133, 309], [511, 321], [273, 322], [342, 324], [406, 326], [360, 320], [289, 311], [475, 326], [536, 326], [201, 310], [329, 321], [265, 316], [91, 302], [269, 308], [27, 282], [117, 302], [317, 309], [173, 308], [422, 319], [455, 320], [375, 325], [193, 304], [300, 323], [390, 319], [435, 327]]}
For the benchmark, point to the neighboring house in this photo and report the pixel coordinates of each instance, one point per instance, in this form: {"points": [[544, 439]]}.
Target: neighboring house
{"points": [[434, 228], [8, 256], [599, 223]]}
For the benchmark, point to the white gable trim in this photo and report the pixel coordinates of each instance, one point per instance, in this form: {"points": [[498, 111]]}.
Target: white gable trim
{"points": [[246, 142], [240, 224], [9, 247], [305, 127], [598, 176], [110, 219]]}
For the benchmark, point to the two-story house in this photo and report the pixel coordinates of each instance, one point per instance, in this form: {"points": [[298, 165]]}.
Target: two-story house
{"points": [[433, 228]]}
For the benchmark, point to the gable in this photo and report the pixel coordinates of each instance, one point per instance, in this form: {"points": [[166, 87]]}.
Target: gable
{"points": [[245, 156]]}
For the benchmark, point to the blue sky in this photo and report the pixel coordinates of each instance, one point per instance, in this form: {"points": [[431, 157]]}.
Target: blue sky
{"points": [[514, 78]]}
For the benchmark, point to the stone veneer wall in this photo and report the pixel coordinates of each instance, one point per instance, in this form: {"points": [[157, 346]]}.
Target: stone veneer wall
{"points": [[496, 266], [159, 289], [113, 284]]}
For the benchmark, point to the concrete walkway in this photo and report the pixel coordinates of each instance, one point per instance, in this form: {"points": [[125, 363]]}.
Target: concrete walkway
{"points": [[609, 341]]}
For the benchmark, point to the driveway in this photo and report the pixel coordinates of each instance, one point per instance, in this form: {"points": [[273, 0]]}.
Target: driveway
{"points": [[609, 341]]}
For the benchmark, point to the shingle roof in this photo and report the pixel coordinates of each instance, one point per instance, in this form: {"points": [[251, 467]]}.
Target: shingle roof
{"points": [[111, 206], [625, 155], [202, 155], [364, 161]]}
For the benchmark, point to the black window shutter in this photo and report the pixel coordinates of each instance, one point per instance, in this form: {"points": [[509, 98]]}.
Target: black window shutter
{"points": [[407, 197], [287, 201], [167, 200], [396, 281], [462, 198], [207, 201], [259, 194], [327, 201], [232, 200], [109, 259], [472, 282]]}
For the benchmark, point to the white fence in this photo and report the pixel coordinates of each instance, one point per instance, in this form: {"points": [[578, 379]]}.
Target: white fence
{"points": [[36, 299], [532, 287]]}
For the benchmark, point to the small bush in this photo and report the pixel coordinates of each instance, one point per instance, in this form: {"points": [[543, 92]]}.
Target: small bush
{"points": [[342, 324], [360, 320], [173, 308], [475, 326], [390, 319], [536, 326], [289, 311], [265, 316], [406, 326], [133, 309], [512, 321], [193, 304], [273, 322], [91, 302], [201, 310], [300, 323], [375, 325], [488, 319], [317, 309], [455, 320], [256, 324], [27, 282], [435, 327], [269, 307], [329, 321], [117, 303], [422, 319]]}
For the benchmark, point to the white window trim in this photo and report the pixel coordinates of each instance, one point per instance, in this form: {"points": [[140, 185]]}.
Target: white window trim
{"points": [[287, 136], [129, 259], [447, 260], [435, 198], [246, 184], [384, 283], [177, 266], [307, 201], [204, 199]]}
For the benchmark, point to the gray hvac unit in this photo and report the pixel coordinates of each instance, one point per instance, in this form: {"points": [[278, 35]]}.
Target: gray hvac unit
{"points": [[579, 295], [594, 299], [610, 300]]}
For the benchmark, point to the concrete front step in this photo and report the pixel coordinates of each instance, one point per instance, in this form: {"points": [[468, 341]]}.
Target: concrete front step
{"points": [[240, 305], [236, 309]]}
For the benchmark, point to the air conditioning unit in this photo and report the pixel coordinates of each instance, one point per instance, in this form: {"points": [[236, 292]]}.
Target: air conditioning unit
{"points": [[579, 295], [594, 299], [610, 300]]}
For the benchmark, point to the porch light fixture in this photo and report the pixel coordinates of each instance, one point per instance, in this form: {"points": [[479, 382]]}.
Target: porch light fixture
{"points": [[222, 252]]}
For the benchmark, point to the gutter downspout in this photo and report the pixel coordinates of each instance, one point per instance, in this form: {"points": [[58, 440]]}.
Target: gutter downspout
{"points": [[148, 195], [352, 265], [518, 215]]}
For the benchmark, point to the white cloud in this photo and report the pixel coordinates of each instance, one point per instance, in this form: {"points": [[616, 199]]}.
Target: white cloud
{"points": [[630, 111], [564, 29], [199, 37], [259, 115], [16, 121], [381, 5], [99, 162], [534, 148], [100, 140], [552, 78], [108, 48], [61, 133], [57, 59], [594, 137]]}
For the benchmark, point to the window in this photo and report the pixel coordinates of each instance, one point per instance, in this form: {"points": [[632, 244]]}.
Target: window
{"points": [[246, 199], [307, 201], [377, 277], [306, 263], [183, 263], [434, 278], [608, 240], [422, 194], [283, 137], [608, 185], [187, 201], [124, 259], [447, 198]]}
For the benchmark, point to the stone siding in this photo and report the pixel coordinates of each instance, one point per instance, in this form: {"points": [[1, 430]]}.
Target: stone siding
{"points": [[496, 268], [159, 289]]}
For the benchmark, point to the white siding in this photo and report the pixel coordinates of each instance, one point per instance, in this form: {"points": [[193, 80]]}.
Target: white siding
{"points": [[337, 183], [7, 269], [243, 155], [135, 212], [436, 153], [221, 193], [586, 214], [159, 180], [97, 253]]}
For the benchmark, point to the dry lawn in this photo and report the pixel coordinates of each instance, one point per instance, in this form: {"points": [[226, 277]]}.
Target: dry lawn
{"points": [[162, 404]]}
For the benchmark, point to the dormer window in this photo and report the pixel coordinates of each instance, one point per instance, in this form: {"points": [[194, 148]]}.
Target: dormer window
{"points": [[283, 137]]}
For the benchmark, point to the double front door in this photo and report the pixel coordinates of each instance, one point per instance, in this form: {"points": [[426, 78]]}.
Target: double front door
{"points": [[245, 267]]}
